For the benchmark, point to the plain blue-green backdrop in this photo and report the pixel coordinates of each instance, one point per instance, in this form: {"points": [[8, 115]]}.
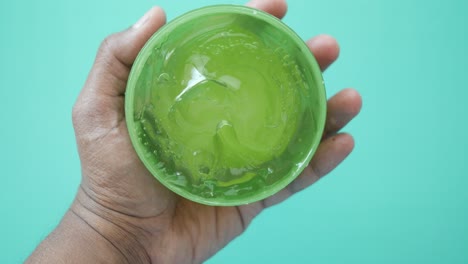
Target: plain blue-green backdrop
{"points": [[401, 197]]}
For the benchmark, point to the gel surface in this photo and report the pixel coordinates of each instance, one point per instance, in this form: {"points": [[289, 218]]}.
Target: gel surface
{"points": [[222, 108]]}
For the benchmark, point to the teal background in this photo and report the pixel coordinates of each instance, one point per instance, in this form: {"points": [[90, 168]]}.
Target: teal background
{"points": [[401, 197]]}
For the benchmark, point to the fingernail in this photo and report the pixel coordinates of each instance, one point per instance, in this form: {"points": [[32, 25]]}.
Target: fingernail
{"points": [[143, 19]]}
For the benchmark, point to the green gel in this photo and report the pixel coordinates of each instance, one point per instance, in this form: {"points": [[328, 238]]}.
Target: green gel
{"points": [[224, 109]]}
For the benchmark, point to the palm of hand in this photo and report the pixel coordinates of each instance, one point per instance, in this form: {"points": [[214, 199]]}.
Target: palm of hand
{"points": [[118, 187]]}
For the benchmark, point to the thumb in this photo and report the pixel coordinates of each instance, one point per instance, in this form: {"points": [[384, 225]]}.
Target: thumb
{"points": [[118, 52], [100, 103]]}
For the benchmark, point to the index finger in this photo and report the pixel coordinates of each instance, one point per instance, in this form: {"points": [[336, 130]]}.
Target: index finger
{"points": [[276, 8]]}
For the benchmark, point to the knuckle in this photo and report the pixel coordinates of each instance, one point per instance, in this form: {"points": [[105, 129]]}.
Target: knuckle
{"points": [[107, 45], [107, 42], [88, 111], [77, 114]]}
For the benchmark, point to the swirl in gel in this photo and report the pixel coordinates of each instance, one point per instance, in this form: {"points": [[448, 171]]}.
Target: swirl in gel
{"points": [[226, 107]]}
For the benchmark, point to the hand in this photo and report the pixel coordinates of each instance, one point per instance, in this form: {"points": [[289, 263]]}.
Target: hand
{"points": [[142, 221]]}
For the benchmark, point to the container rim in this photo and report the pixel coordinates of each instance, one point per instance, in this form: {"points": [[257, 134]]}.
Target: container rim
{"points": [[254, 14]]}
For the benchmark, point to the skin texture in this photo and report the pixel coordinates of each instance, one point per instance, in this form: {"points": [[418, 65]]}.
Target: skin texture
{"points": [[121, 213]]}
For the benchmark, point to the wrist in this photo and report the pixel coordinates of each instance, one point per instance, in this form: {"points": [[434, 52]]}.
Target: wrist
{"points": [[122, 238], [75, 241]]}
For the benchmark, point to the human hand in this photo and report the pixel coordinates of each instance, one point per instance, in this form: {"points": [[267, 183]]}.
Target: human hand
{"points": [[123, 203]]}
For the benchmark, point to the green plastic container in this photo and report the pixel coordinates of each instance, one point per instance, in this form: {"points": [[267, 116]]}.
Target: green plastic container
{"points": [[225, 105]]}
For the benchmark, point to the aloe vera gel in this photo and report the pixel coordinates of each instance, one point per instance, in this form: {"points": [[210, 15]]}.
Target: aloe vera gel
{"points": [[225, 105]]}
